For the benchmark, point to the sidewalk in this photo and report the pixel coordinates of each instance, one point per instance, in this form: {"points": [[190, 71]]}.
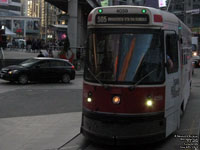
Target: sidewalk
{"points": [[47, 132], [79, 72], [18, 54]]}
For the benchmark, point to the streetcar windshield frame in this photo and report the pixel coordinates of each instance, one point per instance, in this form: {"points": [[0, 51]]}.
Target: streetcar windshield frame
{"points": [[125, 56]]}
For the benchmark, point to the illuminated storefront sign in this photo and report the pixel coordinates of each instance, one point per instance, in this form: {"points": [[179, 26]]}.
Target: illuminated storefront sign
{"points": [[3, 1], [162, 3]]}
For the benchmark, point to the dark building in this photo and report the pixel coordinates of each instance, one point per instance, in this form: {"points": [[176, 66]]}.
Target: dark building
{"points": [[188, 11], [76, 17], [10, 8]]}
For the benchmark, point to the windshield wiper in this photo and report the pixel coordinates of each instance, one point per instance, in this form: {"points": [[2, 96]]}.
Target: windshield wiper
{"points": [[138, 82], [105, 86]]}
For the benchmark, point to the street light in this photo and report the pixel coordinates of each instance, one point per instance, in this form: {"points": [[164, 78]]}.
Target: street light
{"points": [[2, 27]]}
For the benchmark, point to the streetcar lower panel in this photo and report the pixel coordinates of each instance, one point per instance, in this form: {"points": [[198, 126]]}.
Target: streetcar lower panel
{"points": [[123, 129]]}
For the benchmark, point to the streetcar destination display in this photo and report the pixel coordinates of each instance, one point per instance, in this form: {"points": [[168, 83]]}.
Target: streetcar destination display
{"points": [[122, 19]]}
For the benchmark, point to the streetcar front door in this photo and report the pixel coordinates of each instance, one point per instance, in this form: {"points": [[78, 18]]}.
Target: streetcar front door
{"points": [[172, 74]]}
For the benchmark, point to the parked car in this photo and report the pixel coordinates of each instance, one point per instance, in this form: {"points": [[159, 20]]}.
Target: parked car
{"points": [[21, 43], [39, 69]]}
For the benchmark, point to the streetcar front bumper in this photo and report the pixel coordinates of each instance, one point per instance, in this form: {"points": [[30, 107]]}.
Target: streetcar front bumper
{"points": [[123, 129]]}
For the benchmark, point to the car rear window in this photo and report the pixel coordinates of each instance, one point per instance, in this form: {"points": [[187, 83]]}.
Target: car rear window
{"points": [[59, 64]]}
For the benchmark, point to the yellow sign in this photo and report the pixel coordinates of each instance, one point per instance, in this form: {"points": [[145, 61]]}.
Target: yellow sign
{"points": [[196, 30]]}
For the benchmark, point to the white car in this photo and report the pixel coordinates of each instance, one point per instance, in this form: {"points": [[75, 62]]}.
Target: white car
{"points": [[21, 43]]}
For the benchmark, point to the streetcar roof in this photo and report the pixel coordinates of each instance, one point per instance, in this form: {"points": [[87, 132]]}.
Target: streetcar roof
{"points": [[157, 17]]}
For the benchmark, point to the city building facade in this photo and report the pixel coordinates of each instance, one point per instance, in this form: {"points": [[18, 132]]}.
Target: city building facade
{"points": [[11, 16], [153, 3], [10, 7], [188, 11], [76, 16], [48, 14]]}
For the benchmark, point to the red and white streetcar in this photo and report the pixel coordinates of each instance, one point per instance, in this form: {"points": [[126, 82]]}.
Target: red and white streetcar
{"points": [[137, 76]]}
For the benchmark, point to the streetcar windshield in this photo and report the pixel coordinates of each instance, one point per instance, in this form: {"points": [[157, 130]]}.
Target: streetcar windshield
{"points": [[125, 56]]}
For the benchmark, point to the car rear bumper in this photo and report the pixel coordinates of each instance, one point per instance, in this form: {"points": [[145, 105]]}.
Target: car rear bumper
{"points": [[72, 75]]}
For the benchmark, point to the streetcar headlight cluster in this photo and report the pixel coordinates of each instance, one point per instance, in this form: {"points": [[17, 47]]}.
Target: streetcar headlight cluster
{"points": [[149, 102], [89, 98]]}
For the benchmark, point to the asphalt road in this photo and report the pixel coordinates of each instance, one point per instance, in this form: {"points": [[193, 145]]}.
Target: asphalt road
{"points": [[55, 98], [39, 99], [185, 138]]}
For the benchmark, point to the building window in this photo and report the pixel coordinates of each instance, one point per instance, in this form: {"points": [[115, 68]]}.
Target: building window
{"points": [[16, 1], [196, 20], [122, 2], [196, 6], [179, 7], [189, 3], [188, 20], [10, 7]]}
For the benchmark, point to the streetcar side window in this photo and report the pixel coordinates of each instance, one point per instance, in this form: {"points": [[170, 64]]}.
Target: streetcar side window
{"points": [[171, 53]]}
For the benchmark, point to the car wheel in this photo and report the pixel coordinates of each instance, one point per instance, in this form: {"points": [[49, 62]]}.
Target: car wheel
{"points": [[23, 79], [66, 78]]}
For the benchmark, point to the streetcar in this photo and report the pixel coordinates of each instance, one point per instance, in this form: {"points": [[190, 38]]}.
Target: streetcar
{"points": [[137, 77]]}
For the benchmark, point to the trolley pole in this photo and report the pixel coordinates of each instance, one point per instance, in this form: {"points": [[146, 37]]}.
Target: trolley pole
{"points": [[169, 2]]}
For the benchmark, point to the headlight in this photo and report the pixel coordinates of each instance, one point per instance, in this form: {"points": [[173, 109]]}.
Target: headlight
{"points": [[116, 100], [89, 99], [149, 102], [13, 72], [194, 53]]}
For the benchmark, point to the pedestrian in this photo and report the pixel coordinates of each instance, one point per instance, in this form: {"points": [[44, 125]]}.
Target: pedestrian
{"points": [[66, 44], [33, 46], [40, 54], [29, 43]]}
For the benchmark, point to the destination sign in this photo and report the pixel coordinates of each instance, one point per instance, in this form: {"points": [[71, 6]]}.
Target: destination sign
{"points": [[122, 19]]}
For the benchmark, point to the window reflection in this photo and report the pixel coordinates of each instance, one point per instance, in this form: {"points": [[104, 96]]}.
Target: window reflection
{"points": [[125, 57]]}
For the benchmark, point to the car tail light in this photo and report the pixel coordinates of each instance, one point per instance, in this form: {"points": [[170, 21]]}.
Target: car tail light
{"points": [[73, 67]]}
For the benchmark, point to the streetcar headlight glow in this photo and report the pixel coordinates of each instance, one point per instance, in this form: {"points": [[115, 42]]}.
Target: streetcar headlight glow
{"points": [[89, 99], [194, 53], [149, 102], [116, 100]]}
